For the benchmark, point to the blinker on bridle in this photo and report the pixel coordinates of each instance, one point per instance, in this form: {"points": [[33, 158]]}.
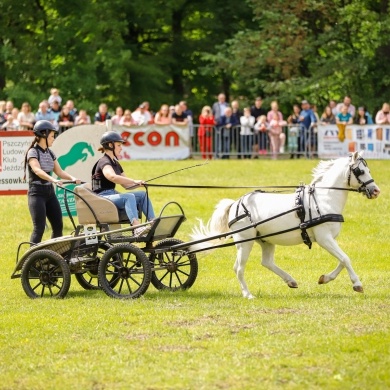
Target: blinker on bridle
{"points": [[358, 172]]}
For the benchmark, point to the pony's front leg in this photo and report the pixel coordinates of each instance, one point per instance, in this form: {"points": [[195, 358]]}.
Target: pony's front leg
{"points": [[243, 251], [268, 261], [330, 244]]}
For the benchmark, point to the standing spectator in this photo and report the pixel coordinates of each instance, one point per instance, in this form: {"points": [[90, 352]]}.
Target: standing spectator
{"points": [[102, 115], [271, 115], [11, 122], [347, 103], [55, 109], [127, 119], [333, 107], [25, 117], [190, 117], [141, 116], [220, 106], [363, 117], [83, 118], [205, 132], [246, 134], [163, 116], [226, 124], [257, 110], [276, 135], [9, 105], [261, 128], [118, 115], [327, 117], [2, 106], [307, 137], [179, 117], [237, 114], [293, 131], [43, 113], [55, 95], [65, 120], [382, 117], [72, 109], [148, 112]]}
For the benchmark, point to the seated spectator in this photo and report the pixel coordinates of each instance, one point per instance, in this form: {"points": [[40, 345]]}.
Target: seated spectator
{"points": [[43, 113], [327, 117], [72, 109], [65, 120], [347, 103], [141, 116], [383, 116], [55, 109], [163, 116], [11, 123], [205, 132], [127, 119], [26, 118], [83, 118], [179, 118], [118, 116], [102, 115], [55, 95], [344, 117], [363, 117]]}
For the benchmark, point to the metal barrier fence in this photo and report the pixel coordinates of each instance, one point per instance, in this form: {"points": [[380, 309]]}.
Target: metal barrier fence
{"points": [[220, 143]]}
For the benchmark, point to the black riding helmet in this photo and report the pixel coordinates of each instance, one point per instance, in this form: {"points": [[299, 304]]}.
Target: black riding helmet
{"points": [[43, 128], [110, 137]]}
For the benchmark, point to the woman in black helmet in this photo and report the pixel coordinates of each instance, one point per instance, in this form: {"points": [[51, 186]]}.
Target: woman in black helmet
{"points": [[108, 172], [42, 201]]}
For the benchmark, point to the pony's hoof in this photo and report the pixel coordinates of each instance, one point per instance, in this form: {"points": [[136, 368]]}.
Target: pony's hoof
{"points": [[321, 280], [292, 284], [358, 289]]}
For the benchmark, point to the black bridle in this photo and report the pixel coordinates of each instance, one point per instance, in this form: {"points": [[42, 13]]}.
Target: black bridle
{"points": [[357, 172]]}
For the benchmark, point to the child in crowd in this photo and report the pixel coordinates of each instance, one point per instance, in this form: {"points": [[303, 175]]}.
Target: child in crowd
{"points": [[293, 140], [276, 135], [261, 127], [55, 95]]}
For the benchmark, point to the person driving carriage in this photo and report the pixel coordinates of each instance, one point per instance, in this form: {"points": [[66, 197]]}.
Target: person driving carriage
{"points": [[107, 172], [42, 200]]}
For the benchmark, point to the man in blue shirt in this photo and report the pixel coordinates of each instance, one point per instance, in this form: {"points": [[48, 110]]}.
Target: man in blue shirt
{"points": [[307, 137], [44, 114]]}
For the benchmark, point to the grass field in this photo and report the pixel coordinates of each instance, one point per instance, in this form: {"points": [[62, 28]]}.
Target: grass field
{"points": [[209, 337]]}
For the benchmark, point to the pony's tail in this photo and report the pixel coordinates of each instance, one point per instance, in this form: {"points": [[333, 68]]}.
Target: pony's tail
{"points": [[217, 224]]}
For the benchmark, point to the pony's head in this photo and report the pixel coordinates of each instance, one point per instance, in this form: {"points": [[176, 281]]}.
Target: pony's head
{"points": [[359, 176]]}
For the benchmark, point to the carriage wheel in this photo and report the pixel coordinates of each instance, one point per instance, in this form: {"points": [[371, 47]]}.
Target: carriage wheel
{"points": [[89, 280], [45, 274], [172, 271], [124, 272]]}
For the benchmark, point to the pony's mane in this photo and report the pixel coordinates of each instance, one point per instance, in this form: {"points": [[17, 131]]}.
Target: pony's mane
{"points": [[320, 170]]}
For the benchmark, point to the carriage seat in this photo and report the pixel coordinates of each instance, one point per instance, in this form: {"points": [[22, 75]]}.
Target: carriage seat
{"points": [[105, 210]]}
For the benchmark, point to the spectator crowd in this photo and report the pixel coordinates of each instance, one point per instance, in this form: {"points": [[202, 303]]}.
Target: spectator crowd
{"points": [[217, 131]]}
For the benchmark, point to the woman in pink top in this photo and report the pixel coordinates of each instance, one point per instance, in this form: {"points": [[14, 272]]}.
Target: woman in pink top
{"points": [[276, 136], [118, 116], [383, 116], [127, 119], [164, 116]]}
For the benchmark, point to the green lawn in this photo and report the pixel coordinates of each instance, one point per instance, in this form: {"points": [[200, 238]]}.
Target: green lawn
{"points": [[209, 337]]}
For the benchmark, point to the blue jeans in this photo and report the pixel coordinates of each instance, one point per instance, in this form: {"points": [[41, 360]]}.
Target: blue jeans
{"points": [[129, 202]]}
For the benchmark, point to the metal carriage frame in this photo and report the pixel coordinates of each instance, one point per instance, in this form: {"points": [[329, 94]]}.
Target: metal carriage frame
{"points": [[108, 256]]}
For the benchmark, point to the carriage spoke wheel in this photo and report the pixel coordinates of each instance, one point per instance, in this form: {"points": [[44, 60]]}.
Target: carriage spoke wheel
{"points": [[45, 274], [124, 272], [89, 279], [172, 271]]}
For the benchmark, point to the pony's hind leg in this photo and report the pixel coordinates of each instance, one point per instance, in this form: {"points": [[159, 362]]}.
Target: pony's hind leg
{"points": [[243, 251], [330, 244], [268, 261]]}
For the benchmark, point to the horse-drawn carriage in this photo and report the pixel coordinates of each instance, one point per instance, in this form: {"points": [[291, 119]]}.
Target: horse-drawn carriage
{"points": [[104, 255]]}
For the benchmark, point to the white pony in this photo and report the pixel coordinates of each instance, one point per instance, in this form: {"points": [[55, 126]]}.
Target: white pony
{"points": [[312, 214]]}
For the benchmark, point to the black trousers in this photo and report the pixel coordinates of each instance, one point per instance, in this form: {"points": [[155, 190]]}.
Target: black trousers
{"points": [[42, 203]]}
